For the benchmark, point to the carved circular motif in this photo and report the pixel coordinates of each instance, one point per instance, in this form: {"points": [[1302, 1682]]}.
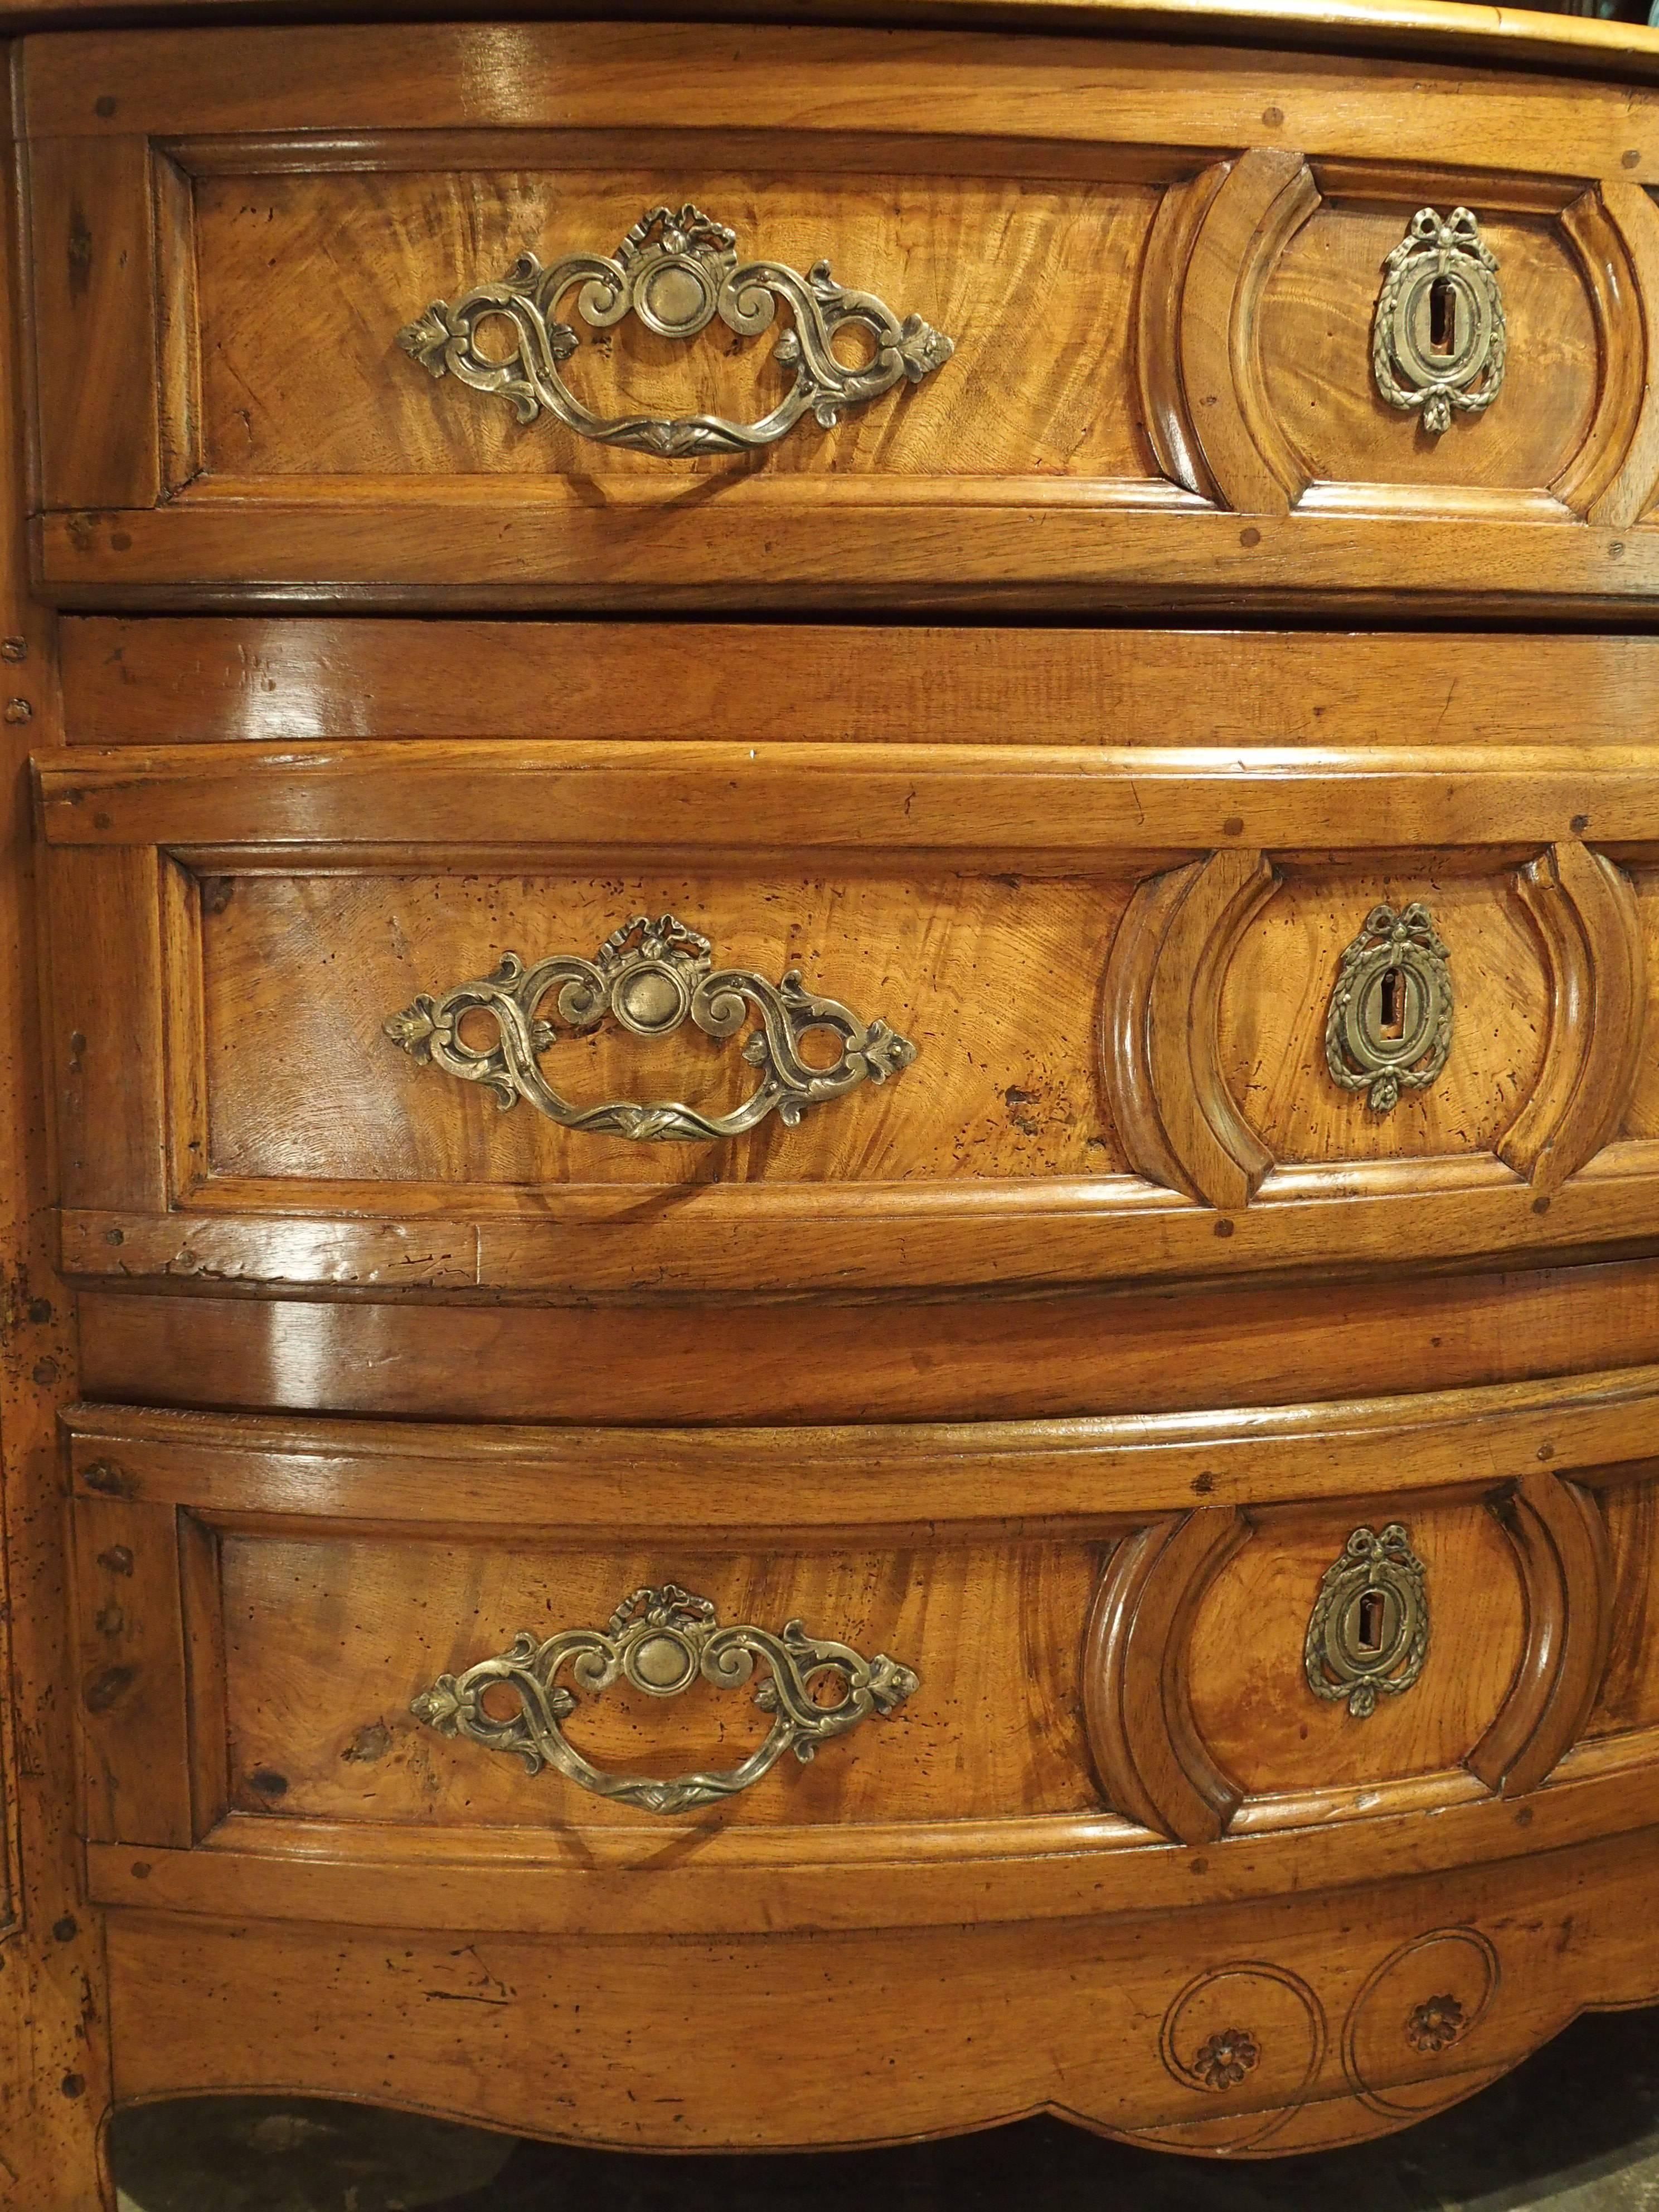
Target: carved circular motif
{"points": [[1428, 1996], [1436, 2025], [1279, 2053]]}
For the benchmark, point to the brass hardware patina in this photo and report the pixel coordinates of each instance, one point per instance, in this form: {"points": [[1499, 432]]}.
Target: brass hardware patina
{"points": [[651, 975], [1369, 1633], [1438, 338], [662, 1641], [676, 270], [1390, 1021]]}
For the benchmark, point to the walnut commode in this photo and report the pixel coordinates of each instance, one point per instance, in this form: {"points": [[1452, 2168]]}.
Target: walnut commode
{"points": [[840, 889]]}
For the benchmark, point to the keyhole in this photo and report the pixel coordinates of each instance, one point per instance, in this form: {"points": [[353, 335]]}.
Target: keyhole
{"points": [[1392, 1023], [1442, 316], [1371, 1622]]}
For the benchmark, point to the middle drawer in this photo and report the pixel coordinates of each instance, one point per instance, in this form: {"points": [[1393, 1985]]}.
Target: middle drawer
{"points": [[773, 1011]]}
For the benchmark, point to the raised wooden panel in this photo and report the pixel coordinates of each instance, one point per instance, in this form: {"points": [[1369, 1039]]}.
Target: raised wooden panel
{"points": [[1277, 991], [1251, 1704], [359, 255], [1316, 352], [1232, 216], [996, 1090], [325, 1650]]}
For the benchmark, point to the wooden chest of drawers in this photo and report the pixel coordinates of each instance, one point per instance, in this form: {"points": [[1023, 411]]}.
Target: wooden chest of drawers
{"points": [[923, 1313]]}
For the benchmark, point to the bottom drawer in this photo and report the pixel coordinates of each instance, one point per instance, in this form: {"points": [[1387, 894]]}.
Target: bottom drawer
{"points": [[1037, 1646]]}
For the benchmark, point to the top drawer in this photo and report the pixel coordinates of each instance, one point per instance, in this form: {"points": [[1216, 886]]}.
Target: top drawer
{"points": [[1161, 272]]}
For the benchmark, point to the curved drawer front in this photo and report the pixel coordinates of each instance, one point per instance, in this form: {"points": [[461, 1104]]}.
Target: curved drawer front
{"points": [[831, 278], [639, 1012], [960, 1649]]}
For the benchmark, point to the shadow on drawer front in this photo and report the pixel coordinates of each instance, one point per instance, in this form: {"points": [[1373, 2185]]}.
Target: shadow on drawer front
{"points": [[989, 1659]]}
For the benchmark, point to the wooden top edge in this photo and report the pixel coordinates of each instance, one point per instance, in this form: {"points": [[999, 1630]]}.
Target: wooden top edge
{"points": [[1447, 30]]}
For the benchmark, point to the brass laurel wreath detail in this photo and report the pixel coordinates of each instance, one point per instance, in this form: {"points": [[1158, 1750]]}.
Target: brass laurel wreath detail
{"points": [[1469, 376], [651, 975], [1338, 1660], [1359, 1055], [676, 270], [662, 1641]]}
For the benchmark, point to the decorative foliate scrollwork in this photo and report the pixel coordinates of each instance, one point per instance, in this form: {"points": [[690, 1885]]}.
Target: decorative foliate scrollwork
{"points": [[1390, 1025], [651, 976], [676, 270], [1438, 338], [662, 1641], [1368, 1635]]}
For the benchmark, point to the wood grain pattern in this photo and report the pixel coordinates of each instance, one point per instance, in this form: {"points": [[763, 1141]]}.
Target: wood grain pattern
{"points": [[215, 679], [970, 1356], [1629, 1695], [1086, 2042], [1251, 1704], [297, 454], [995, 1090], [947, 1372], [54, 2044], [992, 261], [1586, 915], [1263, 197], [1062, 809], [131, 1710], [1182, 210], [324, 1650]]}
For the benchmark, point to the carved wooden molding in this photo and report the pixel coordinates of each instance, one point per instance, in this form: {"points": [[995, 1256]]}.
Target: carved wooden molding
{"points": [[1264, 198], [1585, 913], [1565, 1563], [1161, 1052], [1151, 1762], [1613, 231], [1159, 299]]}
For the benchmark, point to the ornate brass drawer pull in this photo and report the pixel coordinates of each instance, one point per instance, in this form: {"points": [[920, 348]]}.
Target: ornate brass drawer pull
{"points": [[676, 271], [1369, 1633], [1438, 337], [661, 1640], [1390, 1025], [651, 975]]}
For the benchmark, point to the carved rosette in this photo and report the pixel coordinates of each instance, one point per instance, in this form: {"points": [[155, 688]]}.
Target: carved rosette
{"points": [[650, 976], [676, 270], [662, 1641]]}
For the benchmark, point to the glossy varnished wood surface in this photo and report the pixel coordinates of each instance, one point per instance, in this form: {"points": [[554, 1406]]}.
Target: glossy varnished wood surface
{"points": [[1062, 1366], [1051, 463]]}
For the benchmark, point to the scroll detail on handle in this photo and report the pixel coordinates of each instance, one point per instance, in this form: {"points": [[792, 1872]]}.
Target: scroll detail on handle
{"points": [[662, 1641], [676, 270], [651, 975]]}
